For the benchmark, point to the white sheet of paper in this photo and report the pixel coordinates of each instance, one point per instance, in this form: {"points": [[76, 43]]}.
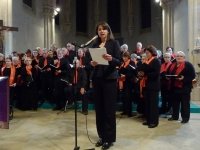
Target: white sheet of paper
{"points": [[96, 54]]}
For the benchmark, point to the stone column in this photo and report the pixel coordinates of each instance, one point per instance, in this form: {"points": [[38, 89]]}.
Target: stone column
{"points": [[49, 22], [168, 22], [67, 17], [193, 31], [130, 17], [97, 13]]}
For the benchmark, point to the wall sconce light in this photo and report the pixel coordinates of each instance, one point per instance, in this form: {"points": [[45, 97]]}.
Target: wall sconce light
{"points": [[56, 11], [157, 1]]}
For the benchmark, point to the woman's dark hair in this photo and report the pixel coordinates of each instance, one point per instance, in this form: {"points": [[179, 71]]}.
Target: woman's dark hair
{"points": [[9, 58], [126, 54], [28, 51], [22, 55], [151, 49], [105, 27], [170, 47]]}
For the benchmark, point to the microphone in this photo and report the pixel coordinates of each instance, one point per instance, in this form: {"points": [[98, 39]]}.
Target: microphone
{"points": [[90, 41]]}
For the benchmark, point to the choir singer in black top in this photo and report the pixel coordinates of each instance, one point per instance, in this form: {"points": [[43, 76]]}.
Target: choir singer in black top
{"points": [[104, 80], [181, 86], [151, 86]]}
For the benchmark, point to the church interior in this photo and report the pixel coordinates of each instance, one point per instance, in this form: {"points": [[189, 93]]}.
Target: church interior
{"points": [[28, 24]]}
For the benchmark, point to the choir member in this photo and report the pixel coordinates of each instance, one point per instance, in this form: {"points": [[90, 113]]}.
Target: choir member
{"points": [[62, 68], [138, 50], [165, 84], [127, 72], [181, 87], [151, 85], [64, 52], [70, 51], [141, 100], [39, 52], [18, 89], [2, 61], [46, 76], [10, 71], [134, 58], [85, 64], [123, 49], [50, 54], [29, 86], [23, 57], [53, 49], [77, 79], [28, 53]]}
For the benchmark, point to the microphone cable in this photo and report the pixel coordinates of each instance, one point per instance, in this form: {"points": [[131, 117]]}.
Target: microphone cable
{"points": [[87, 127]]}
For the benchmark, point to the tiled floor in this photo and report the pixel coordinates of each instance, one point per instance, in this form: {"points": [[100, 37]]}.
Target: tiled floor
{"points": [[45, 130]]}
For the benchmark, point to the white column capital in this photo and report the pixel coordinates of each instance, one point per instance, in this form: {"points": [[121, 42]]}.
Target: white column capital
{"points": [[48, 11]]}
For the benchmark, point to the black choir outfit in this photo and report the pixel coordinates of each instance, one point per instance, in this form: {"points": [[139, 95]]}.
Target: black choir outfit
{"points": [[165, 93], [128, 86], [84, 61], [181, 89], [138, 52], [18, 88], [46, 79], [140, 94], [29, 89], [105, 89], [58, 84], [2, 64], [71, 55], [81, 81], [11, 73], [151, 90], [69, 59]]}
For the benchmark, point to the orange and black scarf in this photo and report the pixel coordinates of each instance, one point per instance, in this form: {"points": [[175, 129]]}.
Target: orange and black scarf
{"points": [[57, 65], [45, 61], [138, 51], [165, 66], [143, 80], [178, 83], [122, 79], [12, 74], [76, 77], [28, 70], [80, 61]]}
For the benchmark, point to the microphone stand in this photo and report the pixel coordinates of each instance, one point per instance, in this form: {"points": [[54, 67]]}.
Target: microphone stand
{"points": [[75, 94]]}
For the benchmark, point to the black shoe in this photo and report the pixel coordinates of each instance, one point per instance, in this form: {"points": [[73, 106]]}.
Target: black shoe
{"points": [[152, 126], [123, 113], [70, 105], [130, 115], [171, 119], [106, 145], [57, 108], [99, 143], [145, 123], [85, 112], [184, 121]]}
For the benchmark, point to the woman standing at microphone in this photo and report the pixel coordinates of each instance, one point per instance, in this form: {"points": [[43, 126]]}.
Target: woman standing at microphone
{"points": [[104, 79]]}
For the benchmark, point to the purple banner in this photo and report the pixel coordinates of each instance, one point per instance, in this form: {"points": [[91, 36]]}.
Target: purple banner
{"points": [[4, 102]]}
